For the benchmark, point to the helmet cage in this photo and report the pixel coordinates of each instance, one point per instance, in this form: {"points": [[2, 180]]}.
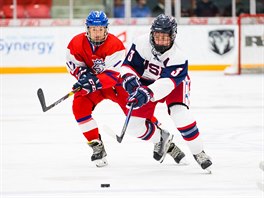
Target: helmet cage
{"points": [[96, 43], [163, 24], [96, 18]]}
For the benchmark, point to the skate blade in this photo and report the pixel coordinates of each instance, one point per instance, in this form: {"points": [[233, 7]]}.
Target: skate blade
{"points": [[166, 148], [101, 162], [208, 170], [184, 162]]}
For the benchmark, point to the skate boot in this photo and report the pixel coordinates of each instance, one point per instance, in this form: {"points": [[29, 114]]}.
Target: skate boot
{"points": [[161, 148], [176, 153], [99, 154], [203, 160]]}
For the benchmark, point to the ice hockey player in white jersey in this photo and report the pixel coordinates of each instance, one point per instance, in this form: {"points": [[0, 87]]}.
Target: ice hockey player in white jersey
{"points": [[156, 71]]}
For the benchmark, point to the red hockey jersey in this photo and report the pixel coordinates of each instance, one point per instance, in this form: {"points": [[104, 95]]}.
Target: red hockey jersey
{"points": [[104, 60]]}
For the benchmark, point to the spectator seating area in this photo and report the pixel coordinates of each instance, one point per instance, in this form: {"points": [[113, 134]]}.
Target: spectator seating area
{"points": [[26, 8], [48, 8], [60, 9]]}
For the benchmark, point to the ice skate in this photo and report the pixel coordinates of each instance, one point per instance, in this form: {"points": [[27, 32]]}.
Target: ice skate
{"points": [[99, 154], [176, 153], [161, 148], [203, 160]]}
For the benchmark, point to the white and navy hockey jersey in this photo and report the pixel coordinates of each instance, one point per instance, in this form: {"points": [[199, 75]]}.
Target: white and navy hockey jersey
{"points": [[161, 73]]}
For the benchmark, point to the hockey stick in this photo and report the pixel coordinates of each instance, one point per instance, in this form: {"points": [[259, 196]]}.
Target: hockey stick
{"points": [[43, 102], [120, 138]]}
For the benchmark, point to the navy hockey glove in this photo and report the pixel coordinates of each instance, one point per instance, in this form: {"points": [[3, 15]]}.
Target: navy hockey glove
{"points": [[88, 82], [141, 96], [130, 83]]}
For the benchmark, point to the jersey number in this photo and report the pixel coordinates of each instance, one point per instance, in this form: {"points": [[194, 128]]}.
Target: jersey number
{"points": [[130, 56], [176, 72]]}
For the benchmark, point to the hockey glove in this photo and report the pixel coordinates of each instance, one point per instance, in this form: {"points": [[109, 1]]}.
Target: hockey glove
{"points": [[130, 83], [88, 82], [141, 96]]}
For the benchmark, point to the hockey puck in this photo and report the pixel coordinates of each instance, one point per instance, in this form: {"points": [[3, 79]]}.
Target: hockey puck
{"points": [[105, 185]]}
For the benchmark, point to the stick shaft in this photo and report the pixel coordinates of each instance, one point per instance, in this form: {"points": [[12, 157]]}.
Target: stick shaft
{"points": [[120, 138], [43, 101]]}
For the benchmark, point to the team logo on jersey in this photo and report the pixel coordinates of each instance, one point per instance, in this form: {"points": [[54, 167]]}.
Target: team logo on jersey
{"points": [[98, 66], [221, 41]]}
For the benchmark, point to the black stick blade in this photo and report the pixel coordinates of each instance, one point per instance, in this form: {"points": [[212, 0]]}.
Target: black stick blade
{"points": [[119, 139], [42, 99]]}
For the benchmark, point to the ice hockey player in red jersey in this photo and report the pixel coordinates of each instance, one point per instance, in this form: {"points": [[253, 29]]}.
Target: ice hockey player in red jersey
{"points": [[156, 70], [94, 58]]}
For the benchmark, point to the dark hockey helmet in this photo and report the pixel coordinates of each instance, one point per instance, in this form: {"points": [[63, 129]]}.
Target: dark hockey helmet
{"points": [[96, 18], [163, 24]]}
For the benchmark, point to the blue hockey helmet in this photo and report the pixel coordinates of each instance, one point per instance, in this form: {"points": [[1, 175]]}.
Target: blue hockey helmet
{"points": [[163, 24], [96, 18]]}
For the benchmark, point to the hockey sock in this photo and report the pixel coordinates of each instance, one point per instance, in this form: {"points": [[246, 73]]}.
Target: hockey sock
{"points": [[89, 128], [92, 134], [186, 125], [143, 129]]}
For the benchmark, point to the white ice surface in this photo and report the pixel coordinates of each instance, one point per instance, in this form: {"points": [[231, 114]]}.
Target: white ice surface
{"points": [[45, 155]]}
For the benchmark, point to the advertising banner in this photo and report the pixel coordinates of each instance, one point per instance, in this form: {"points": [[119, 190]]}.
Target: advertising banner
{"points": [[210, 45]]}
